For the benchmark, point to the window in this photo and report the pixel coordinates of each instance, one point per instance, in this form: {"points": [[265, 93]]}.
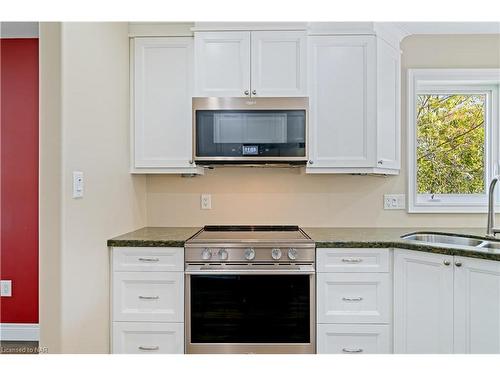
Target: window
{"points": [[453, 138]]}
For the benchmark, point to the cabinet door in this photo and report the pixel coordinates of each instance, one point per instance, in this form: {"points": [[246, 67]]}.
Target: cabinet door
{"points": [[279, 63], [222, 63], [353, 339], [162, 87], [477, 306], [354, 297], [342, 91], [148, 338], [388, 99], [423, 302], [148, 296]]}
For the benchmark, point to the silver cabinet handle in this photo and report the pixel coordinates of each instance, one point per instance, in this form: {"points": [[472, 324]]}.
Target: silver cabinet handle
{"points": [[352, 299], [191, 162], [352, 260], [149, 259], [146, 347], [446, 262], [347, 350], [149, 297], [458, 264], [247, 92], [380, 162], [254, 92], [311, 161]]}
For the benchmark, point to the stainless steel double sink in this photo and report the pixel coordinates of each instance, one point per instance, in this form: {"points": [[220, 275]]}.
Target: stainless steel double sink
{"points": [[452, 239]]}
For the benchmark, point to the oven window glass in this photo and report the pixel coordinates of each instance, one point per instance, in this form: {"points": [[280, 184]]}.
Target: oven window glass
{"points": [[250, 309], [228, 133]]}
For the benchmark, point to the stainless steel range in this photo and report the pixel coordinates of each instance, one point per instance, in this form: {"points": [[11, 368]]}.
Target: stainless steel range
{"points": [[250, 289]]}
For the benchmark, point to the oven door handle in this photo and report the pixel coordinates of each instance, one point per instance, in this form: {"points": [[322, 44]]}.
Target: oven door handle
{"points": [[217, 270]]}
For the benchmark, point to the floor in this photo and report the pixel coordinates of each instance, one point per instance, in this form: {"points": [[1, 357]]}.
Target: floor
{"points": [[19, 347]]}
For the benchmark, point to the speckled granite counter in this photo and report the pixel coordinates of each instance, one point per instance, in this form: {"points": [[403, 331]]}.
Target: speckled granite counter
{"points": [[324, 237], [155, 236], [391, 238]]}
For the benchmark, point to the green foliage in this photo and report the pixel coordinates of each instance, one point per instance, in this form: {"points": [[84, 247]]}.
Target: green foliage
{"points": [[450, 144]]}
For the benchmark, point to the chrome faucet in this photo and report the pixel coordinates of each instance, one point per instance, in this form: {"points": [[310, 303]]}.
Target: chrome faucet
{"points": [[490, 227]]}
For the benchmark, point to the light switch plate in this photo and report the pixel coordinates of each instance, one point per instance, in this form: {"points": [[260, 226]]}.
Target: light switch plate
{"points": [[6, 288], [78, 184], [206, 202], [394, 201]]}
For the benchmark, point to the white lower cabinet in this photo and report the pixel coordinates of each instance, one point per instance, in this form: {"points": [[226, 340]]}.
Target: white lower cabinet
{"points": [[148, 338], [353, 339], [423, 302], [477, 306], [148, 296], [445, 304], [354, 301], [354, 297], [147, 300]]}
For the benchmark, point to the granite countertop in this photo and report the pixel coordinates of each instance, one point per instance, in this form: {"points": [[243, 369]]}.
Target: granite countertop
{"points": [[155, 237], [391, 237], [324, 237]]}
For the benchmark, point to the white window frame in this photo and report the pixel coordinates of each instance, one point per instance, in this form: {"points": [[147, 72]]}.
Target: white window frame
{"points": [[424, 81]]}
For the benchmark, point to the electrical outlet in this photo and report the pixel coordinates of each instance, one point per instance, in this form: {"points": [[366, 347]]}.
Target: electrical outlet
{"points": [[6, 288], [206, 202], [394, 202]]}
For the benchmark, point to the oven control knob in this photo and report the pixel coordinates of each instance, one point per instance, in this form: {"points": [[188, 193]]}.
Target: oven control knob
{"points": [[206, 254], [276, 253], [223, 255], [250, 254], [292, 253]]}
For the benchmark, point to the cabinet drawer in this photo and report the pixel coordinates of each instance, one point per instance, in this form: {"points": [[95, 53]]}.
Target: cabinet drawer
{"points": [[148, 259], [148, 296], [353, 260], [354, 297], [353, 339], [148, 338]]}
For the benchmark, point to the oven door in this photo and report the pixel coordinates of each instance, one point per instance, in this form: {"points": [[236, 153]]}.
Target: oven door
{"points": [[261, 310]]}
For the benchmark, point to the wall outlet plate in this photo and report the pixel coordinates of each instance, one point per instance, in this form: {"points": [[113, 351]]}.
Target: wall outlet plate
{"points": [[206, 202], [394, 201], [6, 288]]}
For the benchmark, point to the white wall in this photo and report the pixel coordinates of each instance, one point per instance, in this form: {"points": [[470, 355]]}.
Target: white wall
{"points": [[253, 196], [95, 140]]}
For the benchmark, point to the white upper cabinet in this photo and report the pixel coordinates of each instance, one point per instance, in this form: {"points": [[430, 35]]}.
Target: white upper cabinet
{"points": [[222, 63], [342, 114], [250, 63], [162, 89], [279, 63], [423, 303], [477, 306], [388, 106], [354, 111]]}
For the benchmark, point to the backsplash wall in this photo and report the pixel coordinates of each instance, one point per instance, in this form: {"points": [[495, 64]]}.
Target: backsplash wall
{"points": [[288, 196]]}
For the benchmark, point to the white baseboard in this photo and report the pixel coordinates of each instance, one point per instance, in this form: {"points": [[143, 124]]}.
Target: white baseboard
{"points": [[19, 332]]}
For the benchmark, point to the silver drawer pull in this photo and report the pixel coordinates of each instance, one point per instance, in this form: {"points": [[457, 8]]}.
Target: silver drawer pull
{"points": [[149, 259], [352, 260], [352, 299], [149, 297], [346, 350], [149, 347]]}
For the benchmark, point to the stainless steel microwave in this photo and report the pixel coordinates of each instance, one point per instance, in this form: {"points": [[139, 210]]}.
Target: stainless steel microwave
{"points": [[250, 130]]}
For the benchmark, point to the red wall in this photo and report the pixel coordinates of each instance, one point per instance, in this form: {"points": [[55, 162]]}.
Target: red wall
{"points": [[19, 178]]}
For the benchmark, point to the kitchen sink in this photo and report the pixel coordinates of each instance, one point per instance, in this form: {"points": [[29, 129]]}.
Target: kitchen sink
{"points": [[448, 239]]}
